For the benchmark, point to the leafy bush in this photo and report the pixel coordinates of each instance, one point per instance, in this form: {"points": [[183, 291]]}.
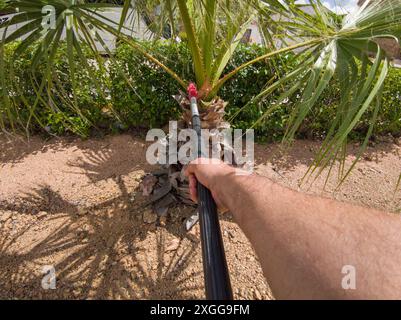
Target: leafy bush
{"points": [[132, 92], [151, 104], [389, 119], [239, 92], [57, 114], [147, 99]]}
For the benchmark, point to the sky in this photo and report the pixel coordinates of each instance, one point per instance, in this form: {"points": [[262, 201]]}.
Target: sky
{"points": [[339, 6]]}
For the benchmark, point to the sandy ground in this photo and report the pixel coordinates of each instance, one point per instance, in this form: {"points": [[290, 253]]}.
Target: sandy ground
{"points": [[73, 205]]}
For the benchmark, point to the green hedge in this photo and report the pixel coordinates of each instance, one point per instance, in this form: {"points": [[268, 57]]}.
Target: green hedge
{"points": [[59, 115], [147, 101], [152, 103]]}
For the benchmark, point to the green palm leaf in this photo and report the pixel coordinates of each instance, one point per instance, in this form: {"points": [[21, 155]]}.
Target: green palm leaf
{"points": [[342, 52]]}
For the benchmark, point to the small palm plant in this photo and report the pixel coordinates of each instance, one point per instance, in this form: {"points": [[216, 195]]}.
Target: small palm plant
{"points": [[327, 46]]}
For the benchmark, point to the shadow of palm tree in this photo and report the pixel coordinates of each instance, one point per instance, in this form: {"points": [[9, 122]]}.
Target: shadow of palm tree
{"points": [[304, 152], [102, 161], [102, 251], [173, 279], [94, 251], [15, 148]]}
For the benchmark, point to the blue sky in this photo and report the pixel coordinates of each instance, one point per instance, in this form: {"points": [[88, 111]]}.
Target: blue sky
{"points": [[340, 6]]}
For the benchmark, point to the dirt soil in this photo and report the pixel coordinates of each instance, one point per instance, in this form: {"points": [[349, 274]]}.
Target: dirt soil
{"points": [[72, 204]]}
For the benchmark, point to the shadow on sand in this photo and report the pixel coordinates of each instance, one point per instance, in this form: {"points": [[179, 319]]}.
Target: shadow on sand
{"points": [[104, 251]]}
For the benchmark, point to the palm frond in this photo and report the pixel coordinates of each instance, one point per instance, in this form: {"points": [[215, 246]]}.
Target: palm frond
{"points": [[348, 52]]}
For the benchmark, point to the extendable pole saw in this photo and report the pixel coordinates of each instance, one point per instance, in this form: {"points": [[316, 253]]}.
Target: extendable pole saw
{"points": [[217, 279]]}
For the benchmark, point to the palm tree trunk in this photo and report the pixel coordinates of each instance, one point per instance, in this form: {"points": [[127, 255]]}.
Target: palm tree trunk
{"points": [[172, 186]]}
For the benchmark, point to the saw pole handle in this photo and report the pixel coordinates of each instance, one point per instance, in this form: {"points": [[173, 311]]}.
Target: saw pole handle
{"points": [[217, 279]]}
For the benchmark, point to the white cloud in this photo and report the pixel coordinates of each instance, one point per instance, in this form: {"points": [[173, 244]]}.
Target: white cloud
{"points": [[339, 6]]}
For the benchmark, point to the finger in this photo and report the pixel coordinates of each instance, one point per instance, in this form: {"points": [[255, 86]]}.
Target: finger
{"points": [[191, 167], [189, 170], [193, 188], [194, 166]]}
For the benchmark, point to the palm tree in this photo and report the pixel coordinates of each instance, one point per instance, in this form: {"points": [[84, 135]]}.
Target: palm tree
{"points": [[326, 45]]}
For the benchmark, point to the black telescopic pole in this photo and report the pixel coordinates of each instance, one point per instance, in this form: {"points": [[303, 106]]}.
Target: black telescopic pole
{"points": [[217, 279]]}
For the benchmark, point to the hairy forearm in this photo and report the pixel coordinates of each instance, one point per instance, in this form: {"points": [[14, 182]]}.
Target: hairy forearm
{"points": [[304, 242]]}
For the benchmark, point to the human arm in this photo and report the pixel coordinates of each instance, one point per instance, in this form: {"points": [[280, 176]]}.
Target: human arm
{"points": [[303, 242]]}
